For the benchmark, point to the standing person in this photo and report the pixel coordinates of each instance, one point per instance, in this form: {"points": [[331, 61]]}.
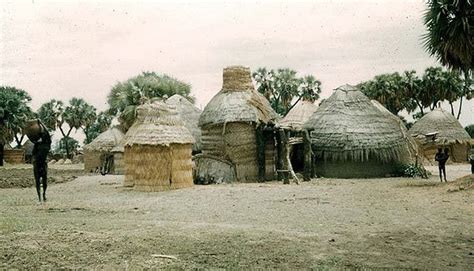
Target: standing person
{"points": [[441, 158], [40, 153]]}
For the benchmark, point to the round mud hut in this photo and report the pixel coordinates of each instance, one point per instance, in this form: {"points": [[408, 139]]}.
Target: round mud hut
{"points": [[238, 141], [440, 129], [351, 138], [190, 115], [97, 151], [158, 150]]}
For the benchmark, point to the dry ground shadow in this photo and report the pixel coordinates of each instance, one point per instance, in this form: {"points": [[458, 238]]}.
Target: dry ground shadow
{"points": [[93, 222]]}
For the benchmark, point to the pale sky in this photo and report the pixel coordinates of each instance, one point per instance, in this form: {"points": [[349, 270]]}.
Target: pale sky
{"points": [[59, 49]]}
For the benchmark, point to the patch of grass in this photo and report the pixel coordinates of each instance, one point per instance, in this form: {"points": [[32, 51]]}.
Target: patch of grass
{"points": [[419, 183]]}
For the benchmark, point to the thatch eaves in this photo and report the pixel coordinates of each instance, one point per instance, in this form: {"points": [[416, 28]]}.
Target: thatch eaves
{"points": [[238, 101], [298, 115], [106, 140], [348, 127], [190, 115], [442, 123], [157, 124]]}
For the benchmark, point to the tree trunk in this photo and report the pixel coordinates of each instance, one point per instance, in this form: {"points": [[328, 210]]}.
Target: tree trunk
{"points": [[452, 108], [1, 154], [307, 156], [260, 153], [467, 84]]}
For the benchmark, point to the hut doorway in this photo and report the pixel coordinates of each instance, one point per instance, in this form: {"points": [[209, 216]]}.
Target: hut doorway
{"points": [[297, 157]]}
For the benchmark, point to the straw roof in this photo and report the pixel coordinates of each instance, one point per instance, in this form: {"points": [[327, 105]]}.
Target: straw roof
{"points": [[298, 115], [190, 116], [105, 141], [348, 127], [238, 101], [439, 121], [157, 124]]}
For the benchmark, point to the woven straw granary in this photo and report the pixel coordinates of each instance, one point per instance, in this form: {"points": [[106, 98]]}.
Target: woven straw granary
{"points": [[158, 150], [440, 129], [352, 138], [229, 123], [96, 151], [190, 116]]}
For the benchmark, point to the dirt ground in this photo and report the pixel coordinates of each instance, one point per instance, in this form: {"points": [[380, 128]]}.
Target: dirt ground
{"points": [[93, 222]]}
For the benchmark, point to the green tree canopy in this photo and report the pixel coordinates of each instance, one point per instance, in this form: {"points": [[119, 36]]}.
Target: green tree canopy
{"points": [[470, 130], [409, 92], [14, 112], [77, 114], [283, 88], [124, 97], [101, 124], [450, 37]]}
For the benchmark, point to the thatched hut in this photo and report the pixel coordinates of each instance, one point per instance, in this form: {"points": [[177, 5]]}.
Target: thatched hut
{"points": [[293, 123], [440, 129], [119, 163], [96, 152], [236, 127], [351, 138], [158, 149], [190, 116]]}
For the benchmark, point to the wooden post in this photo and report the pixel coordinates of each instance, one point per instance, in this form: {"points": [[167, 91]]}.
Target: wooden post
{"points": [[260, 153], [1, 154], [279, 165], [283, 156], [307, 156]]}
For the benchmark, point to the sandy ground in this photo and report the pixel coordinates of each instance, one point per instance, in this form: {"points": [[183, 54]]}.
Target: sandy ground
{"points": [[94, 222]]}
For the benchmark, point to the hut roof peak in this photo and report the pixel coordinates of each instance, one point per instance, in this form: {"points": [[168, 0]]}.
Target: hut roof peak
{"points": [[237, 78]]}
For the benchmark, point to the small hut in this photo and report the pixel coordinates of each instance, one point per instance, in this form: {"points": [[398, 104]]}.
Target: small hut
{"points": [[351, 138], [440, 129], [293, 124], [236, 127], [190, 116], [97, 151], [158, 149]]}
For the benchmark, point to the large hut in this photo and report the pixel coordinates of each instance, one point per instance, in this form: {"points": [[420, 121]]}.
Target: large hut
{"points": [[190, 116], [237, 133], [293, 123], [440, 129], [351, 138], [158, 150], [97, 151]]}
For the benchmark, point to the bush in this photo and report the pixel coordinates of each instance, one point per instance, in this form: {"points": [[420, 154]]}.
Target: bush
{"points": [[411, 170]]}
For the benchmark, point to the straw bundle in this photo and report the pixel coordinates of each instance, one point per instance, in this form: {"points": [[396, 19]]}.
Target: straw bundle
{"points": [[440, 128], [229, 123], [190, 116], [119, 162], [158, 150], [101, 146], [237, 103], [347, 128], [298, 115]]}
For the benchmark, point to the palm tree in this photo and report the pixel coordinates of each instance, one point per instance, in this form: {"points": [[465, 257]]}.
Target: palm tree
{"points": [[450, 37], [124, 97]]}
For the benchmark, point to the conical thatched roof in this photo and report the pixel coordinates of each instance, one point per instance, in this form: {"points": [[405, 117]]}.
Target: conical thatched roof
{"points": [[298, 115], [190, 116], [238, 101], [157, 124], [348, 127], [439, 121], [105, 141]]}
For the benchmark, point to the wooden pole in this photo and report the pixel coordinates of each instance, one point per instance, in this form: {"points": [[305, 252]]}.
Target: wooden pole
{"points": [[307, 156], [283, 157], [279, 164], [260, 153]]}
